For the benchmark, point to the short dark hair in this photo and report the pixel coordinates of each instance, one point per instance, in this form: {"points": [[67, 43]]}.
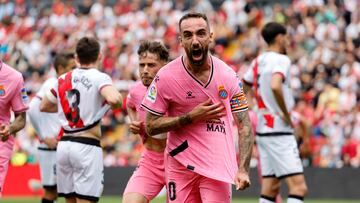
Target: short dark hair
{"points": [[62, 59], [271, 30], [87, 50], [154, 47], [193, 15]]}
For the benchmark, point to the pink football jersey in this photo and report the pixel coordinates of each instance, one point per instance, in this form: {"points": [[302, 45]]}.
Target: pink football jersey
{"points": [[134, 98], [206, 147], [13, 95]]}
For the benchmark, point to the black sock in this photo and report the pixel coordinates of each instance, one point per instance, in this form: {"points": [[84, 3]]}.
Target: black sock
{"points": [[47, 201]]}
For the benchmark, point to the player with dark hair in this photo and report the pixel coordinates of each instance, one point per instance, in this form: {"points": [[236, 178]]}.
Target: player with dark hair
{"points": [[48, 127], [149, 177], [269, 77], [82, 96], [196, 98]]}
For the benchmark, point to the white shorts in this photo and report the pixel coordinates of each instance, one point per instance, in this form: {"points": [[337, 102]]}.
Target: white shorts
{"points": [[279, 156], [80, 168], [45, 124], [47, 161]]}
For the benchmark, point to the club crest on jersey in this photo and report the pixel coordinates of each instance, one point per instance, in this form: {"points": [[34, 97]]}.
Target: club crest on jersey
{"points": [[2, 90], [151, 96], [24, 96], [223, 94]]}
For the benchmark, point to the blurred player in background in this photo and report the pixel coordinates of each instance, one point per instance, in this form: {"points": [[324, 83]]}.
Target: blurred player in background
{"points": [[13, 98], [279, 156], [48, 128], [202, 97], [83, 97], [149, 177]]}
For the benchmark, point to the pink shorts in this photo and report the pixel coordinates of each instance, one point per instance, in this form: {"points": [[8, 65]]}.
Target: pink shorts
{"points": [[184, 185], [149, 176], [5, 155]]}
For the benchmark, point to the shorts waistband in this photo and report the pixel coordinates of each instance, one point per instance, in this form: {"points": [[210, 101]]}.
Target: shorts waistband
{"points": [[82, 129], [46, 149], [82, 140], [274, 134]]}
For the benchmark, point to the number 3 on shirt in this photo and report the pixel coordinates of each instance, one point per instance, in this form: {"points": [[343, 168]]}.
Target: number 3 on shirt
{"points": [[73, 113]]}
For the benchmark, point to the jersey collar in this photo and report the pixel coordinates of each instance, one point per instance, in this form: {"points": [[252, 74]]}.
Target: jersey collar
{"points": [[198, 81]]}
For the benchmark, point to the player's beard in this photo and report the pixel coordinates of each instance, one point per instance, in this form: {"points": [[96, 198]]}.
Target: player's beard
{"points": [[146, 80], [197, 55]]}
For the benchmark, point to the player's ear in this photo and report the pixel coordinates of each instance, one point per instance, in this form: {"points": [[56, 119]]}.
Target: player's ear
{"points": [[100, 56], [211, 37]]}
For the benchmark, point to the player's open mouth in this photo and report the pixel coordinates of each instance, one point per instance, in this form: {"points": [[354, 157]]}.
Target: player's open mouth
{"points": [[197, 54]]}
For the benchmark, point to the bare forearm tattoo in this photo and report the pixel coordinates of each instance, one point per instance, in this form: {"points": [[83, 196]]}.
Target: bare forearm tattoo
{"points": [[18, 123], [185, 120], [158, 124], [246, 139]]}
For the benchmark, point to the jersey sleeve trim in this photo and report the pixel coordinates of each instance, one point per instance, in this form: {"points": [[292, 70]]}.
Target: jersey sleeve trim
{"points": [[281, 74], [51, 96], [21, 110], [152, 111], [247, 82], [102, 86]]}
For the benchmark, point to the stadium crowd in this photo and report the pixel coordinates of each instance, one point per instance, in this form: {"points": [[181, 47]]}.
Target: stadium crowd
{"points": [[325, 51]]}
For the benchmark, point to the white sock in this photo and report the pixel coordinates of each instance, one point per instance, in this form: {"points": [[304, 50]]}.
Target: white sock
{"points": [[265, 199], [295, 199]]}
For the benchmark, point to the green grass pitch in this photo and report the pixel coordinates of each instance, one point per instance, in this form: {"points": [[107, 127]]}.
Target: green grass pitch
{"points": [[118, 200]]}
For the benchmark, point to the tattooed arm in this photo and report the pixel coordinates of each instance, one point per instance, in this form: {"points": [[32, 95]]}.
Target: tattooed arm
{"points": [[204, 111], [246, 141], [157, 124]]}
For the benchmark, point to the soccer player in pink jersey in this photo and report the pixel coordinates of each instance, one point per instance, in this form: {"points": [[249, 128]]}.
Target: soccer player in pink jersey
{"points": [[196, 98], [149, 177], [82, 96], [13, 97], [269, 77]]}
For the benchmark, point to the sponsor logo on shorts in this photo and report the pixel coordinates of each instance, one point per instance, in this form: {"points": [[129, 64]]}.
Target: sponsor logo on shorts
{"points": [[223, 94], [2, 90], [152, 93]]}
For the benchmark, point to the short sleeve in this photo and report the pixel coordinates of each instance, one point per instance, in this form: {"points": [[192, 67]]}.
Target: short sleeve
{"points": [[154, 100], [282, 67], [238, 101], [20, 99], [103, 81], [130, 100], [249, 75]]}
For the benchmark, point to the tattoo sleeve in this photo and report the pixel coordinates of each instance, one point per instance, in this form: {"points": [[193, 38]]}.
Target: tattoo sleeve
{"points": [[159, 124], [18, 123], [246, 139]]}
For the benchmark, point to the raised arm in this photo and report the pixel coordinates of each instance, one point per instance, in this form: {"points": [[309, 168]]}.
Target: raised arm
{"points": [[246, 141], [204, 111]]}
